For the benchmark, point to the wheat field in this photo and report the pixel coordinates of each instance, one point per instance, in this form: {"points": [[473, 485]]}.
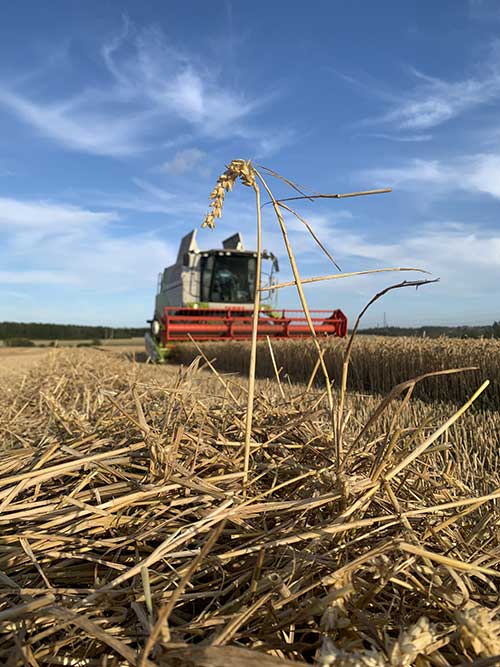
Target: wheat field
{"points": [[377, 363]]}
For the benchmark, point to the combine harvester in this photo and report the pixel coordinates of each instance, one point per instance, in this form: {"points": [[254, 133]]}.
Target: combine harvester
{"points": [[209, 295]]}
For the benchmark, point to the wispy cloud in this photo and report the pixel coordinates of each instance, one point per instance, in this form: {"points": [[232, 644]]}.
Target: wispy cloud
{"points": [[432, 101], [476, 174], [173, 81], [48, 215], [183, 161], [73, 123], [269, 144], [465, 257], [435, 101], [36, 278], [147, 88], [148, 198], [408, 138], [437, 247], [69, 245], [153, 190]]}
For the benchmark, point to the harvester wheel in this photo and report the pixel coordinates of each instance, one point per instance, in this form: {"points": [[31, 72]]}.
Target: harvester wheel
{"points": [[151, 349]]}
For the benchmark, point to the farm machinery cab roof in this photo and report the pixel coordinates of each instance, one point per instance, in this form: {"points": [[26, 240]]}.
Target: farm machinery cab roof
{"points": [[211, 279], [209, 295]]}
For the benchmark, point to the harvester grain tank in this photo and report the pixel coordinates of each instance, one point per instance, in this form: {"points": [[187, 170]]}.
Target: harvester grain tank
{"points": [[209, 295]]}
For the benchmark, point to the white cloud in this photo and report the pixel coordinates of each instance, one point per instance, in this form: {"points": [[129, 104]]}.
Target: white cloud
{"points": [[466, 258], [147, 198], [153, 190], [121, 264], [414, 172], [408, 138], [174, 81], [149, 204], [267, 144], [36, 278], [74, 124], [183, 161], [434, 101], [68, 245], [438, 246], [475, 174], [483, 174], [464, 255], [148, 88], [48, 215]]}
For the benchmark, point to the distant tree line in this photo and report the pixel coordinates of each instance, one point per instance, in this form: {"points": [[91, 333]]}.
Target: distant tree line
{"points": [[487, 331], [40, 331]]}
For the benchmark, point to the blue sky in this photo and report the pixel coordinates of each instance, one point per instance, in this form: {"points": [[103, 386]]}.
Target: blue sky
{"points": [[117, 118]]}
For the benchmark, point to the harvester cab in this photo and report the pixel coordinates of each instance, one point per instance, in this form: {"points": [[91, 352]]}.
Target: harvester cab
{"points": [[209, 295]]}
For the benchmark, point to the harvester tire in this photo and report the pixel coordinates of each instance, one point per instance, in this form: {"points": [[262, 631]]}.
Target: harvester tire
{"points": [[151, 350]]}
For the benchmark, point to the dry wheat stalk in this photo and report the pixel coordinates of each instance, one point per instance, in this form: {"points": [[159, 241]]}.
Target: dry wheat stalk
{"points": [[331, 656], [412, 642], [480, 629], [241, 169]]}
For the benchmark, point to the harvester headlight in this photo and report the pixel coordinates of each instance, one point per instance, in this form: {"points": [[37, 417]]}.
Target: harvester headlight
{"points": [[155, 327]]}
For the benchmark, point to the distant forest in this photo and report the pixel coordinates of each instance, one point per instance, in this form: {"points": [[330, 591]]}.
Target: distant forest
{"points": [[39, 331]]}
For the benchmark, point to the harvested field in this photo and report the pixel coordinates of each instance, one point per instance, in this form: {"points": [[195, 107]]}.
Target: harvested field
{"points": [[127, 538], [19, 360], [377, 363]]}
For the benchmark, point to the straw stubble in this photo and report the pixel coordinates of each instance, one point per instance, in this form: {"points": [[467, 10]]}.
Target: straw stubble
{"points": [[94, 542]]}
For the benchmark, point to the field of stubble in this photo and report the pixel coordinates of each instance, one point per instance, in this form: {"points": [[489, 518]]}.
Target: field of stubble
{"points": [[127, 537]]}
